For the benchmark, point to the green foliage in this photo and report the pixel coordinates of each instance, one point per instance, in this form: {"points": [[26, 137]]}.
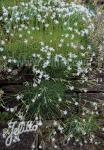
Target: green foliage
{"points": [[18, 49], [8, 3], [4, 117], [44, 100], [77, 127]]}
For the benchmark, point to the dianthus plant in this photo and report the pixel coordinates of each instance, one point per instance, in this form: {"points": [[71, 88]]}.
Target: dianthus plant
{"points": [[51, 39]]}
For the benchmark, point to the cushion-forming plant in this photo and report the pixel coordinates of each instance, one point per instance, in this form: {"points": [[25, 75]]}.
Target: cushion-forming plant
{"points": [[52, 39]]}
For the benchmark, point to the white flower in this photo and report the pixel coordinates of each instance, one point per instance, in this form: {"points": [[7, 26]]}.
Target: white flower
{"points": [[62, 40], [33, 28], [4, 57], [85, 90], [1, 49], [69, 68], [14, 60], [85, 141], [82, 47], [46, 64], [46, 76], [66, 35], [1, 18], [65, 112], [53, 139], [46, 25], [65, 23], [25, 41], [56, 21], [71, 88], [33, 146], [71, 135], [18, 97], [40, 123], [75, 24], [34, 85], [76, 103], [2, 42], [60, 128], [9, 60], [70, 28], [60, 45], [55, 146], [9, 69], [94, 103], [55, 123], [33, 100], [60, 99], [20, 35], [12, 109], [72, 36], [40, 146]]}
